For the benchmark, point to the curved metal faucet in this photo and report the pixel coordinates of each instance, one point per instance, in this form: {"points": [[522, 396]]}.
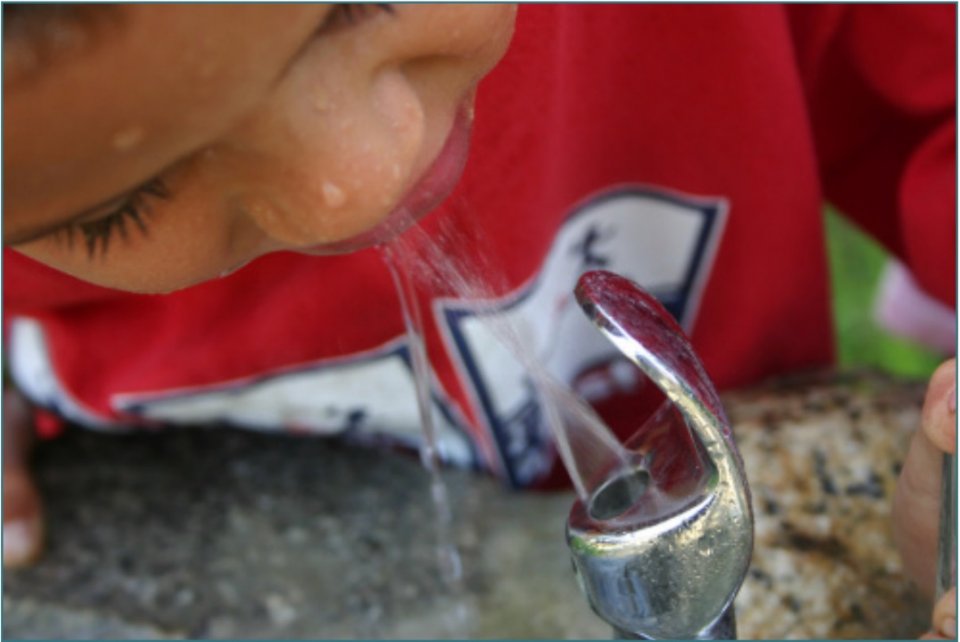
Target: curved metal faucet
{"points": [[662, 546]]}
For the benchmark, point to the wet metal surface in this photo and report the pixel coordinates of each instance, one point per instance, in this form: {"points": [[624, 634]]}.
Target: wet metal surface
{"points": [[669, 563]]}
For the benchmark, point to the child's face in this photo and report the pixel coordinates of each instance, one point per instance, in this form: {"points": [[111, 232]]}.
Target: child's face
{"points": [[149, 147]]}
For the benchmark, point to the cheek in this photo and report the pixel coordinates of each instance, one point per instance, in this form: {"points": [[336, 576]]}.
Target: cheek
{"points": [[181, 247], [325, 160], [327, 156], [360, 121]]}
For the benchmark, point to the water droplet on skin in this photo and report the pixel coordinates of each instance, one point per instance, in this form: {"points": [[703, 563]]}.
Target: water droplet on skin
{"points": [[321, 102], [261, 210], [128, 138], [333, 196], [208, 69]]}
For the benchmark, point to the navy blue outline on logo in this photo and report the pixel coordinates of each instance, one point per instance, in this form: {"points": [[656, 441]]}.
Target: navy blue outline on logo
{"points": [[402, 349], [676, 302]]}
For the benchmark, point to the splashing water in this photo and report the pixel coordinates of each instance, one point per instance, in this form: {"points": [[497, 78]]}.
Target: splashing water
{"points": [[449, 557], [456, 616], [451, 261]]}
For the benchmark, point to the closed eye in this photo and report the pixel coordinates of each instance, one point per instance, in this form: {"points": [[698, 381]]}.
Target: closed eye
{"points": [[132, 212]]}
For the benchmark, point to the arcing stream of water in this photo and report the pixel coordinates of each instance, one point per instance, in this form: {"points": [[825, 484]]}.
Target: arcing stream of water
{"points": [[437, 265]]}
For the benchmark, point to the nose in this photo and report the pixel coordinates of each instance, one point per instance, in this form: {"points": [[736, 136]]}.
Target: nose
{"points": [[359, 117]]}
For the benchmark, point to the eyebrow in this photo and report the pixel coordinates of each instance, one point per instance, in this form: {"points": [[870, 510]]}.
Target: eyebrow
{"points": [[36, 37]]}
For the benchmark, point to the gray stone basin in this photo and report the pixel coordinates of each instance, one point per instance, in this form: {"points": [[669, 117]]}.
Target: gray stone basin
{"points": [[228, 534]]}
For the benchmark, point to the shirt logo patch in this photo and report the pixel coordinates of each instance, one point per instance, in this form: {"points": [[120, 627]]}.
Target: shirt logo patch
{"points": [[663, 240], [364, 397]]}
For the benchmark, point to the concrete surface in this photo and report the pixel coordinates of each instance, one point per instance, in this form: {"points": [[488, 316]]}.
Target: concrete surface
{"points": [[213, 534], [226, 534]]}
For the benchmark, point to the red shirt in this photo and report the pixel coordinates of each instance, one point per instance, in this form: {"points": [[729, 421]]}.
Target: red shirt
{"points": [[690, 148]]}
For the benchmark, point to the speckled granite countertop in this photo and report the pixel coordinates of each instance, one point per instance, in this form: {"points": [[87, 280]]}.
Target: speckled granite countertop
{"points": [[213, 534], [822, 455]]}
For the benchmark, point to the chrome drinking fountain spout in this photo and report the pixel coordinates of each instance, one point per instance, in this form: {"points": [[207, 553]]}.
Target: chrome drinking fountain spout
{"points": [[662, 546]]}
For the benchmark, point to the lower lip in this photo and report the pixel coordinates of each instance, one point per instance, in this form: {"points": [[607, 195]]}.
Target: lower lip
{"points": [[442, 175], [427, 193]]}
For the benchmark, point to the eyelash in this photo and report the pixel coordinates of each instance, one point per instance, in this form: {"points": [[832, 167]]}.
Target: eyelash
{"points": [[99, 232]]}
